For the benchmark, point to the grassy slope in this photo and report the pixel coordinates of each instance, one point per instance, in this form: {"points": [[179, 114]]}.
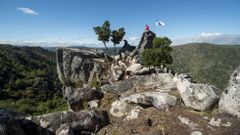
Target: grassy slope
{"points": [[207, 63]]}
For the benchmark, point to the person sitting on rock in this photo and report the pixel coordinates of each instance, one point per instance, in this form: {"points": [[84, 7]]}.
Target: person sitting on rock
{"points": [[126, 49]]}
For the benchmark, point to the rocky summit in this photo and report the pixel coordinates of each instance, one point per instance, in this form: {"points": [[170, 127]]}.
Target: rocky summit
{"points": [[117, 95]]}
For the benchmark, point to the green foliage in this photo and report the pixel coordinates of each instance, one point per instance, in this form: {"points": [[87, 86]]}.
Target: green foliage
{"points": [[159, 41], [207, 63], [103, 33], [95, 83], [117, 37], [33, 107], [160, 54]]}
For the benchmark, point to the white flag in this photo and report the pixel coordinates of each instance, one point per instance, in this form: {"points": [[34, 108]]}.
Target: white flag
{"points": [[159, 23]]}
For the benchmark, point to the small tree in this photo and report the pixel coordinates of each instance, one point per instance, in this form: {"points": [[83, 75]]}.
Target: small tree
{"points": [[117, 36], [160, 54], [103, 33]]}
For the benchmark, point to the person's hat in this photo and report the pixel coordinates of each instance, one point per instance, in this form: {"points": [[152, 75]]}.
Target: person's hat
{"points": [[147, 27]]}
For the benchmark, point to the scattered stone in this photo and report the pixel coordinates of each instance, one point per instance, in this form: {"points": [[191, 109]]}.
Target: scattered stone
{"points": [[196, 133], [188, 122], [216, 123], [65, 129], [137, 69], [93, 104], [228, 124]]}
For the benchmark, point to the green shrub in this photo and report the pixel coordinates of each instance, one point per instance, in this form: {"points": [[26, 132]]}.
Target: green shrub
{"points": [[160, 54]]}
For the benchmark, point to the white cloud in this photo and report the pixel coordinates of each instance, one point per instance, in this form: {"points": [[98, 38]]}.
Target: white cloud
{"points": [[210, 34], [133, 40], [27, 11]]}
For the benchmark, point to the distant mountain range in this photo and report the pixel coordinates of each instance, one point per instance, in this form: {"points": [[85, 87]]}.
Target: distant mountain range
{"points": [[214, 38]]}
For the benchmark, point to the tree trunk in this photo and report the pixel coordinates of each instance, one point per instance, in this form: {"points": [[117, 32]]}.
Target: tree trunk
{"points": [[107, 51], [115, 50]]}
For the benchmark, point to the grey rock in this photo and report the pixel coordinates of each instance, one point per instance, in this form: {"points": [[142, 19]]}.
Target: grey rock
{"points": [[117, 87], [146, 41], [80, 67], [117, 71], [124, 106], [196, 133], [76, 96], [154, 81], [14, 123], [76, 122], [65, 129], [230, 99], [197, 96], [137, 69]]}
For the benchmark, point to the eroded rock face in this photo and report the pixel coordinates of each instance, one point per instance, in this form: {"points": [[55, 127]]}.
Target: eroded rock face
{"points": [[197, 96], [80, 67], [73, 122], [230, 99], [146, 41], [125, 106]]}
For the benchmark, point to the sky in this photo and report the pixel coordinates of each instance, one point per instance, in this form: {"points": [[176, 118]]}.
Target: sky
{"points": [[63, 22]]}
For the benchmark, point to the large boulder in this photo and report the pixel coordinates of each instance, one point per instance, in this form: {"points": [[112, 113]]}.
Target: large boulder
{"points": [[81, 122], [230, 99], [163, 81], [125, 106], [77, 96], [14, 123], [137, 69], [197, 96], [81, 67]]}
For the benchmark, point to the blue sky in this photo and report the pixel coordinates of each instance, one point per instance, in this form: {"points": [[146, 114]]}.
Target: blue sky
{"points": [[72, 21]]}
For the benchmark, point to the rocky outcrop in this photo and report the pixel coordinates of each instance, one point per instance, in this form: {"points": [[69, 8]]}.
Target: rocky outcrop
{"points": [[197, 96], [230, 99], [81, 67], [77, 96], [146, 41], [130, 106]]}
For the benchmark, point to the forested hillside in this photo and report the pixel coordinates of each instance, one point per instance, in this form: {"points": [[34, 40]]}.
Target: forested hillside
{"points": [[207, 63], [28, 80]]}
